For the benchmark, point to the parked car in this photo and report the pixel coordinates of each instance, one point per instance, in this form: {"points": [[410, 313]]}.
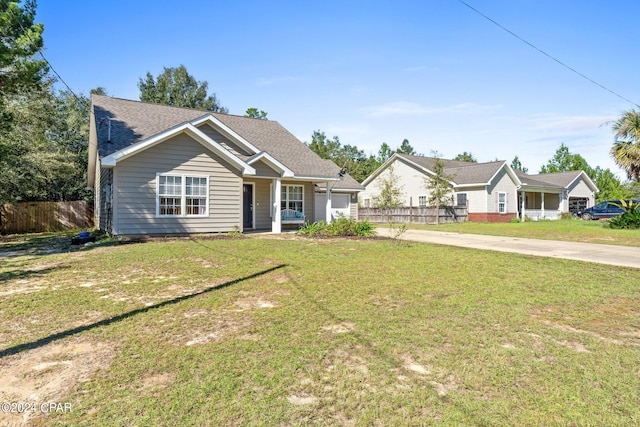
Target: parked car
{"points": [[606, 209]]}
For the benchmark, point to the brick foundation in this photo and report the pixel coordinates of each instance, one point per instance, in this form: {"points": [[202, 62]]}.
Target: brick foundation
{"points": [[490, 217]]}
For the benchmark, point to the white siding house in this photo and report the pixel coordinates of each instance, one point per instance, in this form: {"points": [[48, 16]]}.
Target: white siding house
{"points": [[492, 191]]}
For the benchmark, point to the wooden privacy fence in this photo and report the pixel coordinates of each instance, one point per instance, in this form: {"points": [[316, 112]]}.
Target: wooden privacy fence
{"points": [[35, 217], [415, 215]]}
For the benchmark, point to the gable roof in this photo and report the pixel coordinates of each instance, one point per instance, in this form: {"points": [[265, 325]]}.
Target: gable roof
{"points": [[465, 174], [565, 179], [119, 123], [461, 173], [189, 129]]}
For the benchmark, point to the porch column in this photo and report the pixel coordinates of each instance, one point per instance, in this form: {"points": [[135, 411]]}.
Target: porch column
{"points": [[276, 220], [328, 205], [542, 205], [522, 208]]}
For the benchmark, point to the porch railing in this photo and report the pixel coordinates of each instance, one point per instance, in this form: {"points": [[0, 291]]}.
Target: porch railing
{"points": [[539, 214]]}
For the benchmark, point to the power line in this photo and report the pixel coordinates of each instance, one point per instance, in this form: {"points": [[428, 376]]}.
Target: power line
{"points": [[547, 54], [17, 19]]}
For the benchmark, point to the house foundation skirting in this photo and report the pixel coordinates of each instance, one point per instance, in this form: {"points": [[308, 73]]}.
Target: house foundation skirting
{"points": [[490, 217]]}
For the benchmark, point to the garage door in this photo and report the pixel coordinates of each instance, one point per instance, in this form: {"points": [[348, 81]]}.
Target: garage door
{"points": [[339, 205]]}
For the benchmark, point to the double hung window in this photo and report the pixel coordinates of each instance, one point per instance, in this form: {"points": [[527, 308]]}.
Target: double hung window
{"points": [[292, 197], [182, 195]]}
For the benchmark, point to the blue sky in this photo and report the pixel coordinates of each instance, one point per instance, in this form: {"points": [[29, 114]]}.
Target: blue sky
{"points": [[433, 71]]}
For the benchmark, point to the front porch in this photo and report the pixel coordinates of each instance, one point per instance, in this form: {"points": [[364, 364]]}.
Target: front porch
{"points": [[276, 204], [540, 205]]}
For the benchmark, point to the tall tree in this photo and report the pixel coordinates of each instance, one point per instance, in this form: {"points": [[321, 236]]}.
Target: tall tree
{"points": [[564, 161], [20, 40], [406, 148], [517, 165], [626, 148], [384, 153], [610, 186], [440, 188], [254, 113], [178, 88], [358, 165], [323, 146], [466, 157], [47, 160]]}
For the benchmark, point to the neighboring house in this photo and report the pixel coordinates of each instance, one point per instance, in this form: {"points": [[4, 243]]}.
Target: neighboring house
{"points": [[158, 169], [492, 191]]}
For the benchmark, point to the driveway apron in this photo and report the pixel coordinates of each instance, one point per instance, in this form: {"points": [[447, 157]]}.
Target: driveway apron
{"points": [[625, 256]]}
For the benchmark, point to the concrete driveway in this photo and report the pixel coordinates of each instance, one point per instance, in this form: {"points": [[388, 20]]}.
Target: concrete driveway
{"points": [[625, 256]]}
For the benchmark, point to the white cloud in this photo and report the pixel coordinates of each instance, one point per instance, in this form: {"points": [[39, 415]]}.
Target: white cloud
{"points": [[571, 123]]}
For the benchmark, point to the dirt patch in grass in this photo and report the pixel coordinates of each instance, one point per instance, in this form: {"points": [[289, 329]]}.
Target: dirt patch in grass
{"points": [[603, 322], [251, 303], [340, 328], [46, 373], [350, 361], [155, 382], [302, 399], [217, 330]]}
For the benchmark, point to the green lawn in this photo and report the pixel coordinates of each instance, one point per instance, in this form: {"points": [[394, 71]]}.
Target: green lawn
{"points": [[571, 230], [293, 331]]}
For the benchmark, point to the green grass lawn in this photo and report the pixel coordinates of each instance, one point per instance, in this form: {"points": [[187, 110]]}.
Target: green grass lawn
{"points": [[570, 230], [294, 331]]}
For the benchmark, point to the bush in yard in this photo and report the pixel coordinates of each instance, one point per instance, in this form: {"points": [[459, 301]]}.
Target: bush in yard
{"points": [[342, 226], [313, 229], [630, 219]]}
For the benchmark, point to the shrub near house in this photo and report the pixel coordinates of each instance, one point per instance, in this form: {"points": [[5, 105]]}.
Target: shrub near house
{"points": [[630, 219]]}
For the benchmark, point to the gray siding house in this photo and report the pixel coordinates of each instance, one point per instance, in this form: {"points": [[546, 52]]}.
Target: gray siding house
{"points": [[157, 169], [492, 191]]}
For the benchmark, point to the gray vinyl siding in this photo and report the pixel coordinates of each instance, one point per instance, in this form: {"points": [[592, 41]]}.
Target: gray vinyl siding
{"points": [[135, 197], [263, 169], [261, 188], [309, 197], [353, 208], [262, 196]]}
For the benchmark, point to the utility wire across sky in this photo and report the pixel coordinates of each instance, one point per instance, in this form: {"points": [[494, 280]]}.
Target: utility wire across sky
{"points": [[547, 54]]}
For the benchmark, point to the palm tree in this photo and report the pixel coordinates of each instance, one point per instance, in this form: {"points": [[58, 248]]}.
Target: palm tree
{"points": [[626, 148]]}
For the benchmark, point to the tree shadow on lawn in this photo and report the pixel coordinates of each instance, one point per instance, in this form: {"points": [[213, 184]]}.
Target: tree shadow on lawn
{"points": [[105, 322], [23, 274], [48, 243]]}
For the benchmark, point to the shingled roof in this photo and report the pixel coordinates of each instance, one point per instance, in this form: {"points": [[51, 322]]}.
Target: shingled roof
{"points": [[560, 179], [462, 173], [134, 121]]}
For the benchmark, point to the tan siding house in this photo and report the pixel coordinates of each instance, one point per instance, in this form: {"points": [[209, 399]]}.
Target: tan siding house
{"points": [[163, 170]]}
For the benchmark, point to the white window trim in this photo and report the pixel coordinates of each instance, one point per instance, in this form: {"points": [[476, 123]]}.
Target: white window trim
{"points": [[506, 209], [466, 198], [426, 200], [183, 196], [287, 192]]}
